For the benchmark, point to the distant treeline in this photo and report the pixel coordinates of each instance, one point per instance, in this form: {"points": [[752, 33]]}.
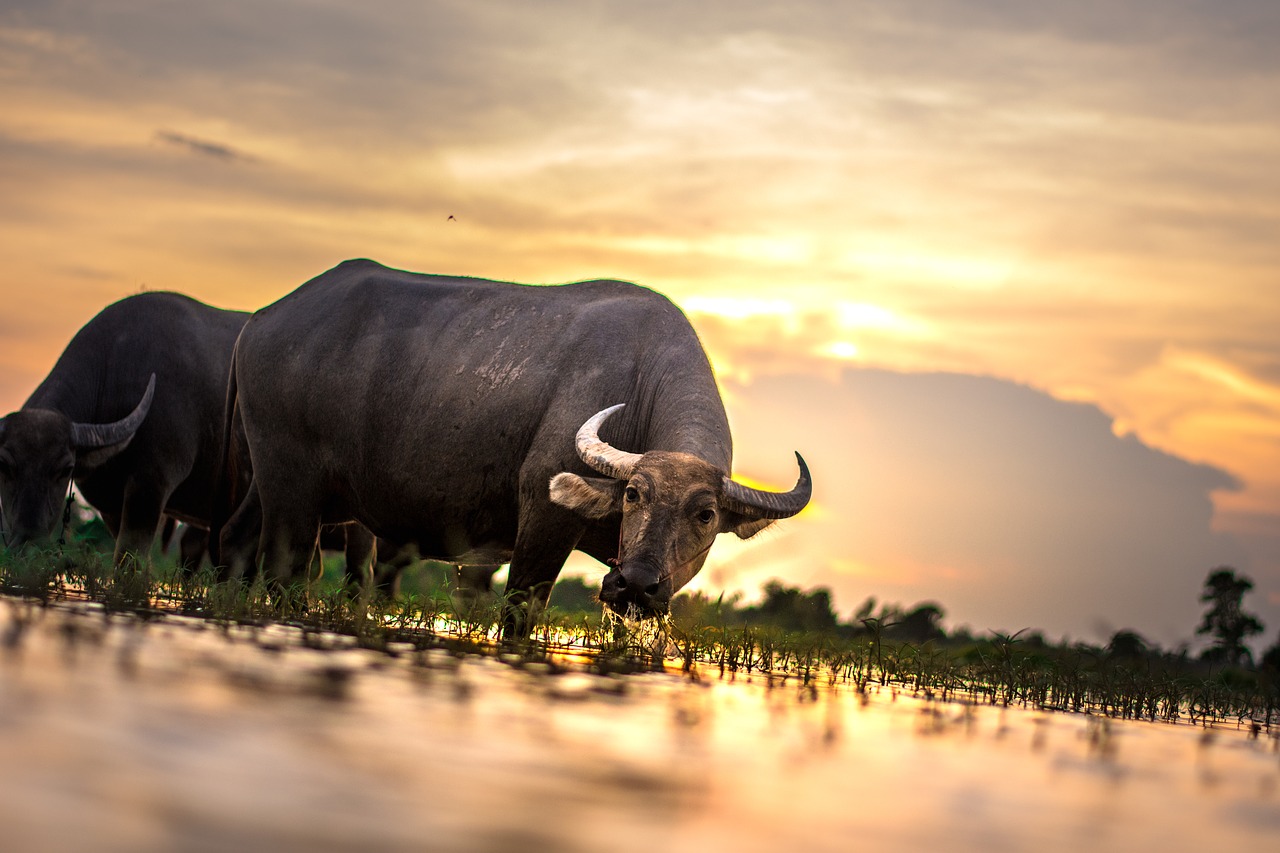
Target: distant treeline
{"points": [[792, 609]]}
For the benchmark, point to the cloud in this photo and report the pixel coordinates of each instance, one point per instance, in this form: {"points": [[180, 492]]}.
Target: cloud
{"points": [[1009, 507], [203, 147], [396, 74], [665, 122]]}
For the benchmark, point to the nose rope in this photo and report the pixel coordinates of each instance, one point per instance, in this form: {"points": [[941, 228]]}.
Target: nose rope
{"points": [[668, 575], [66, 510], [617, 561]]}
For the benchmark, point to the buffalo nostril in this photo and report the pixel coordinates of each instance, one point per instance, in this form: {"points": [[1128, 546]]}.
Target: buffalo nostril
{"points": [[613, 584], [651, 589]]}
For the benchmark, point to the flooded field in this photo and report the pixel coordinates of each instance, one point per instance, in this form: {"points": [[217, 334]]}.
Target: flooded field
{"points": [[179, 734]]}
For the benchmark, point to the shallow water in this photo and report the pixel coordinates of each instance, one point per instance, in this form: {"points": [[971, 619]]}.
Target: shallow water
{"points": [[117, 734]]}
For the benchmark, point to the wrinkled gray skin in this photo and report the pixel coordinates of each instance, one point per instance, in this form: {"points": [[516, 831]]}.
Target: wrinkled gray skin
{"points": [[169, 465], [437, 411]]}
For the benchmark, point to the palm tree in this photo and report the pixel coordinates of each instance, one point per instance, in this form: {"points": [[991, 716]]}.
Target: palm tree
{"points": [[1225, 619]]}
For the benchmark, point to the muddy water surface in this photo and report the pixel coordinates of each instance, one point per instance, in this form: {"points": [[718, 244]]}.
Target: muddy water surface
{"points": [[175, 734]]}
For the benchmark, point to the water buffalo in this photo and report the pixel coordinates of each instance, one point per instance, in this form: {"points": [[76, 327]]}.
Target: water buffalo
{"points": [[133, 411], [471, 417]]}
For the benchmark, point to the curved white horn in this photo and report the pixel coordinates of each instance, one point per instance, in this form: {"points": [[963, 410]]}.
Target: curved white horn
{"points": [[599, 454]]}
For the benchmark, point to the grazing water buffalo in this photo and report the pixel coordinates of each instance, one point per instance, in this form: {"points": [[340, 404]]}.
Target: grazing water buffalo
{"points": [[470, 417], [133, 410]]}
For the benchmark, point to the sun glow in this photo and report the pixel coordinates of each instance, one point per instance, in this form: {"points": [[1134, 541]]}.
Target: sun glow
{"points": [[768, 249], [738, 308], [844, 350], [980, 273], [846, 315], [862, 315]]}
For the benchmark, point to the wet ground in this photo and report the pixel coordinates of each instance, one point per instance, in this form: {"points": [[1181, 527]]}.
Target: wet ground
{"points": [[179, 735]]}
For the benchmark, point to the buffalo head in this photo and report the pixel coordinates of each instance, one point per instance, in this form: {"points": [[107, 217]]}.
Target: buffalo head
{"points": [[40, 450], [672, 506]]}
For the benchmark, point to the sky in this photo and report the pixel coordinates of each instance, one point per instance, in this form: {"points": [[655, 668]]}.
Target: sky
{"points": [[1005, 273]]}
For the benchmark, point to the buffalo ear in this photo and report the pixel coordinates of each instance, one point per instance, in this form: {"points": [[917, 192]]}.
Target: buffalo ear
{"points": [[590, 497], [742, 526]]}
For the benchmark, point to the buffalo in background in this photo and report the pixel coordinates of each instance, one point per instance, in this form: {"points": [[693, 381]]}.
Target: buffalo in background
{"points": [[132, 411]]}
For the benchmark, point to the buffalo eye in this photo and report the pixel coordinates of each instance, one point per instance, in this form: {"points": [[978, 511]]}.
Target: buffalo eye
{"points": [[707, 516], [632, 494]]}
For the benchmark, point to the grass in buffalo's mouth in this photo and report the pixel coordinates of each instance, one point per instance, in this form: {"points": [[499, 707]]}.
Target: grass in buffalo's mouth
{"points": [[1006, 670]]}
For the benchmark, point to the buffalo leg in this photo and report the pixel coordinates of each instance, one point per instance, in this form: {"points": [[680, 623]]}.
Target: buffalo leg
{"points": [[167, 530], [191, 548], [392, 560], [287, 552], [239, 540], [473, 584], [360, 552], [139, 523], [112, 522], [540, 552], [290, 535]]}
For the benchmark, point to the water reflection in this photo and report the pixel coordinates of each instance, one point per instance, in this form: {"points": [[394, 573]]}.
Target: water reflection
{"points": [[119, 734]]}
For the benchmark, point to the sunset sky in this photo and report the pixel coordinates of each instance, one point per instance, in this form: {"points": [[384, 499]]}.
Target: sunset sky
{"points": [[1005, 273]]}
